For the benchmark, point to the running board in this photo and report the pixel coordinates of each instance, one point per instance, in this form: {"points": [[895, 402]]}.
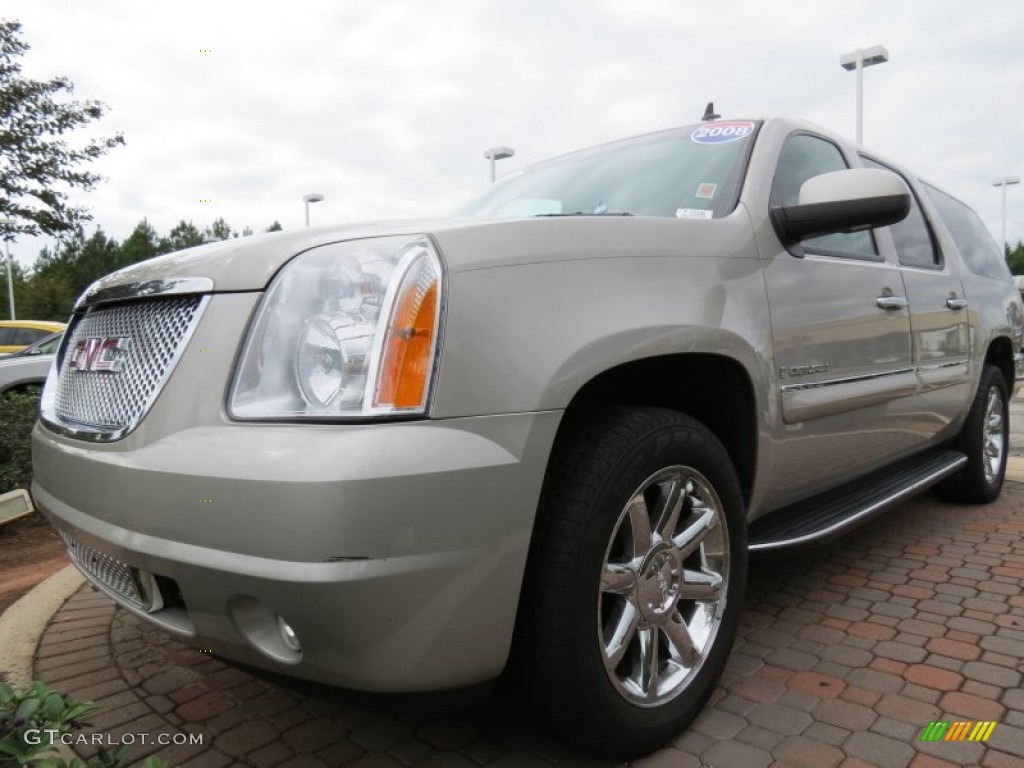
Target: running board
{"points": [[832, 513]]}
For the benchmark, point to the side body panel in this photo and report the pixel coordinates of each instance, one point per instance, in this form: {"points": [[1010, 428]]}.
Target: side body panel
{"points": [[528, 337]]}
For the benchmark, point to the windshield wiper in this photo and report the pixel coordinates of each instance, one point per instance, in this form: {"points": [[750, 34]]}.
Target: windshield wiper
{"points": [[584, 213]]}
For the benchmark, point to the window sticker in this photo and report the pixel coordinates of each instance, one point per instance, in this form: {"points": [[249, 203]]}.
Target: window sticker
{"points": [[706, 191], [693, 213], [720, 133]]}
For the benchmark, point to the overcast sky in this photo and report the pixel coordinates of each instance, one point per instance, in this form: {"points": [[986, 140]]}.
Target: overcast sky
{"points": [[385, 106]]}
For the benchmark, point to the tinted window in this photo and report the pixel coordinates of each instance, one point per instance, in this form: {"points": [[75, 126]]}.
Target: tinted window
{"points": [[49, 347], [975, 243], [29, 335], [802, 158], [7, 336], [912, 236]]}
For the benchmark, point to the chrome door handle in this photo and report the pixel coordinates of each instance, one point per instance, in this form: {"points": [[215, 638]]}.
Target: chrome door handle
{"points": [[890, 303], [956, 304]]}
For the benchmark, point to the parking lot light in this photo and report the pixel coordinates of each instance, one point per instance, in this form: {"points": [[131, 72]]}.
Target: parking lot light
{"points": [[5, 222], [857, 60], [497, 153], [312, 197], [1004, 182]]}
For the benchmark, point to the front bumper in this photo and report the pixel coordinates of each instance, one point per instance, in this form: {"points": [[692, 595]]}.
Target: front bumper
{"points": [[394, 551]]}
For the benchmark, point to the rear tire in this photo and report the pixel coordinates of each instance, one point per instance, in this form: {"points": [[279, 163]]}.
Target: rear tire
{"points": [[985, 438], [635, 580]]}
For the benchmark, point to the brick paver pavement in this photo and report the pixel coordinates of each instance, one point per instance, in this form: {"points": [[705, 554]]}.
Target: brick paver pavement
{"points": [[845, 654]]}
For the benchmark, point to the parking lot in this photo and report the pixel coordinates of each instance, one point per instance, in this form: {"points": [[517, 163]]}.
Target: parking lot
{"points": [[845, 655]]}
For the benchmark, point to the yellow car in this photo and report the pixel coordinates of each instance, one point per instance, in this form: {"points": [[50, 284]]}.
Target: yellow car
{"points": [[15, 335]]}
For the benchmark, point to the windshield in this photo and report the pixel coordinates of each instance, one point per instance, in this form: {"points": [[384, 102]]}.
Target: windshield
{"points": [[691, 172]]}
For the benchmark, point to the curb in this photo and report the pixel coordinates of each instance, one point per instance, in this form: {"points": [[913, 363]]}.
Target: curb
{"points": [[23, 623], [1015, 469]]}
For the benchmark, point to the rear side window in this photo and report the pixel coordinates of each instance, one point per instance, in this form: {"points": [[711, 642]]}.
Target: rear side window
{"points": [[29, 335], [7, 336], [972, 238], [912, 236]]}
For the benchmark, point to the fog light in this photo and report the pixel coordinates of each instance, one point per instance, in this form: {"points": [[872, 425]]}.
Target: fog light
{"points": [[291, 640], [264, 629]]}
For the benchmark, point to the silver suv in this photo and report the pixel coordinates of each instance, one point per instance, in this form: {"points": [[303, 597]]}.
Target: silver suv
{"points": [[543, 435]]}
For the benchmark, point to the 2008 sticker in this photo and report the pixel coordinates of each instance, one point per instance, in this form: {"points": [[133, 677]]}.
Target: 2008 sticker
{"points": [[720, 133]]}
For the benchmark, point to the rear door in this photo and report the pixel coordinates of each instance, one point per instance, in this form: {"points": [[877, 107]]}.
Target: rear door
{"points": [[940, 345]]}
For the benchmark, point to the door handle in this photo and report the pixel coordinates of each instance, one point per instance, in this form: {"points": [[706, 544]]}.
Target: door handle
{"points": [[956, 304], [891, 303]]}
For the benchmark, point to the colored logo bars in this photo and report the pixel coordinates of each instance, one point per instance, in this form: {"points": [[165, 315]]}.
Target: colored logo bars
{"points": [[958, 731]]}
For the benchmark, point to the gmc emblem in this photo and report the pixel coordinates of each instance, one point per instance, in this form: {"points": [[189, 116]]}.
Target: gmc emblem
{"points": [[98, 354]]}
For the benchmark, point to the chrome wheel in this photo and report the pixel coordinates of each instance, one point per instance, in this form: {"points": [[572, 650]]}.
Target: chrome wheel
{"points": [[994, 436], [663, 586]]}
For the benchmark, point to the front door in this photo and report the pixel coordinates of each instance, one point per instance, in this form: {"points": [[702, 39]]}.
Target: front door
{"points": [[842, 343]]}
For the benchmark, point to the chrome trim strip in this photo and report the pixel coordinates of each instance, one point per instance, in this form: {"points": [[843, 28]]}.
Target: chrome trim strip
{"points": [[868, 511], [869, 376], [144, 290], [48, 411], [940, 366], [848, 380]]}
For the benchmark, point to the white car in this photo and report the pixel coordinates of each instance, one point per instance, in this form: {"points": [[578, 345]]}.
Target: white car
{"points": [[29, 367]]}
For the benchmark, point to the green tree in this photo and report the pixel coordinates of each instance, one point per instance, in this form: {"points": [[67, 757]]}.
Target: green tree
{"points": [[37, 164], [19, 279], [143, 243], [275, 227], [46, 298], [184, 235], [219, 230], [1015, 258]]}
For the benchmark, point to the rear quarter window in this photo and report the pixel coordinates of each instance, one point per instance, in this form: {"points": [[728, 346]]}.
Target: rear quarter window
{"points": [[978, 248]]}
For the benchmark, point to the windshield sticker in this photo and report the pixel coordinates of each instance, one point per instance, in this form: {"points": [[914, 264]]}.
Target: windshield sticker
{"points": [[720, 133], [706, 191], [693, 213]]}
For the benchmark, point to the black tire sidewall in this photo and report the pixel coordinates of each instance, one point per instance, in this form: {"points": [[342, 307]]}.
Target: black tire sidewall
{"points": [[677, 442], [970, 484]]}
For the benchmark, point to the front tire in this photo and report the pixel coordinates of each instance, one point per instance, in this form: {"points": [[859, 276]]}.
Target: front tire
{"points": [[635, 580], [985, 438]]}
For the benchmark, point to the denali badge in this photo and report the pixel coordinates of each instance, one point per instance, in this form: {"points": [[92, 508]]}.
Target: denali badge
{"points": [[99, 354]]}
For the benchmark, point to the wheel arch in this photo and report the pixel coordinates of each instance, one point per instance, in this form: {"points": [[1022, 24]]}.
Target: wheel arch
{"points": [[1000, 354], [696, 384]]}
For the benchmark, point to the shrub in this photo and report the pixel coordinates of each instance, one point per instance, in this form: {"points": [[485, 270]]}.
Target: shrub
{"points": [[18, 412], [28, 719]]}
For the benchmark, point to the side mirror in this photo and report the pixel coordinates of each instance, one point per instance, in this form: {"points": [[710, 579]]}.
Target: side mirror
{"points": [[844, 201]]}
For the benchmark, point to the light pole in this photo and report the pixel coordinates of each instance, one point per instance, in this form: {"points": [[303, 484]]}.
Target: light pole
{"points": [[10, 281], [497, 153], [312, 197], [1004, 183], [857, 60]]}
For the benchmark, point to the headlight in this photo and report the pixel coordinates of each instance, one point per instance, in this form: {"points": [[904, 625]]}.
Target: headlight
{"points": [[345, 330]]}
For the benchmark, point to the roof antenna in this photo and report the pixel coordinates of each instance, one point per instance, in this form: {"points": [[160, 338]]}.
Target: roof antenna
{"points": [[709, 113]]}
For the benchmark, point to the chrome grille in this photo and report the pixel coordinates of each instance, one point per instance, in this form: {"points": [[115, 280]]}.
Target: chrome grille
{"points": [[110, 403], [110, 572]]}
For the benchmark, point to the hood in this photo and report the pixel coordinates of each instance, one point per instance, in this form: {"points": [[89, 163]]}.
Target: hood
{"points": [[249, 263]]}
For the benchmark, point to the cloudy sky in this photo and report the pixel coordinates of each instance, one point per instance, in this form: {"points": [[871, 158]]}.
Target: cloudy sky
{"points": [[236, 109]]}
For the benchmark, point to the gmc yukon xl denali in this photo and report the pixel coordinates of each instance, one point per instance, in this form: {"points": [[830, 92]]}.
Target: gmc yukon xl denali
{"points": [[542, 435]]}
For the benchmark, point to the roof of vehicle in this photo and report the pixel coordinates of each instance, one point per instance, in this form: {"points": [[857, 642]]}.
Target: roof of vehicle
{"points": [[42, 325]]}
